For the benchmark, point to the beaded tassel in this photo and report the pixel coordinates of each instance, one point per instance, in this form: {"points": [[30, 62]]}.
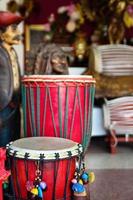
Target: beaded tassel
{"points": [[79, 182], [37, 187]]}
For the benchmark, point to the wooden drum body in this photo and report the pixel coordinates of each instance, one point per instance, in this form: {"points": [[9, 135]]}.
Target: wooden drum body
{"points": [[39, 161], [58, 106]]}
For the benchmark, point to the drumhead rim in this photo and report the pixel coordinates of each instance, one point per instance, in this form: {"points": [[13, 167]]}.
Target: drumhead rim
{"points": [[19, 152], [58, 78]]}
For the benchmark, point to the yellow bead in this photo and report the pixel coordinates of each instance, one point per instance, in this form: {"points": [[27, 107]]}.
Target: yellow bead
{"points": [[34, 191], [80, 181], [91, 177]]}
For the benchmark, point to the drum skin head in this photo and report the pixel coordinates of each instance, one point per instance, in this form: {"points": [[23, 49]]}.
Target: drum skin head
{"points": [[47, 146], [44, 143]]}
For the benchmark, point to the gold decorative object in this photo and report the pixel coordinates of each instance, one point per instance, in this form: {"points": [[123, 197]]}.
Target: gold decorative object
{"points": [[128, 16], [120, 7], [117, 19], [116, 31], [80, 46]]}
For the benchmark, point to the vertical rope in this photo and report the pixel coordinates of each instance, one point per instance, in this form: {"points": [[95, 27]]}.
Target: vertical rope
{"points": [[85, 114], [28, 102], [26, 169], [42, 167], [74, 109], [11, 177], [44, 111], [32, 111], [60, 111], [24, 106], [51, 108], [67, 176], [56, 167], [92, 104], [66, 113], [38, 111], [87, 136], [17, 181], [81, 117], [89, 123]]}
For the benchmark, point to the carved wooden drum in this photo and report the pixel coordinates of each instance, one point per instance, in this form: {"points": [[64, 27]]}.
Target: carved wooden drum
{"points": [[43, 167], [58, 106]]}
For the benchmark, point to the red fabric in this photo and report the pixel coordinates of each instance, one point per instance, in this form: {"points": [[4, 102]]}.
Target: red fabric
{"points": [[4, 174], [2, 157], [1, 190]]}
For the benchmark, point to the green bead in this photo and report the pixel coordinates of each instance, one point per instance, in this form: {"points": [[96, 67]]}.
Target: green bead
{"points": [[5, 185]]}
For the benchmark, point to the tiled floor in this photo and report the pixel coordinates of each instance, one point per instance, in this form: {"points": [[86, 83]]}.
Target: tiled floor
{"points": [[98, 156], [113, 173], [112, 184]]}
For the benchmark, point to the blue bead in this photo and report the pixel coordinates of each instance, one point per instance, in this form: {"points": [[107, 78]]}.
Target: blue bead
{"points": [[43, 185], [40, 193], [84, 176], [77, 187]]}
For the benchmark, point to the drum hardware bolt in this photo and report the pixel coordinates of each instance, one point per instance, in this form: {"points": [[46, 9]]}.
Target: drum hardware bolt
{"points": [[15, 153], [26, 155], [69, 154], [57, 156]]}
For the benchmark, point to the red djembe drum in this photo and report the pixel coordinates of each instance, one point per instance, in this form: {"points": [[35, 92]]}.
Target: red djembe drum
{"points": [[58, 106], [43, 167]]}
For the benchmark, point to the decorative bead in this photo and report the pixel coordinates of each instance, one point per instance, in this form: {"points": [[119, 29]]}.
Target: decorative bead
{"points": [[29, 185], [43, 185], [85, 177], [40, 194], [77, 187], [91, 177], [34, 191], [5, 185], [80, 181], [74, 180]]}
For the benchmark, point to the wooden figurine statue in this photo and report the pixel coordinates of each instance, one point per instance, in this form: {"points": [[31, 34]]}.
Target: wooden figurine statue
{"points": [[9, 78], [51, 60], [116, 31]]}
